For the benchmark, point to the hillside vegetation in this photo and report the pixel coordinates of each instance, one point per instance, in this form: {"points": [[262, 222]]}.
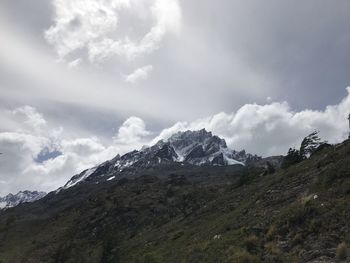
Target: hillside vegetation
{"points": [[192, 214]]}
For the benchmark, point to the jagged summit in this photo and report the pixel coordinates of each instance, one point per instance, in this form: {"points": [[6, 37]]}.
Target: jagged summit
{"points": [[189, 147], [12, 200], [202, 148], [196, 144]]}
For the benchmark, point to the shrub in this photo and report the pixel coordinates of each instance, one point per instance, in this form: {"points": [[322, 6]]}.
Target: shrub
{"points": [[293, 157], [272, 249], [308, 146], [109, 249], [298, 239], [297, 214], [252, 243], [10, 220], [243, 256], [150, 258], [341, 252], [314, 226], [271, 232]]}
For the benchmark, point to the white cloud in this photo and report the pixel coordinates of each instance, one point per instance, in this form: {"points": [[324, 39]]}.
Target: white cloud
{"points": [[79, 22], [139, 74], [262, 129], [132, 131], [83, 146], [19, 151], [92, 26], [30, 117], [272, 128], [33, 135]]}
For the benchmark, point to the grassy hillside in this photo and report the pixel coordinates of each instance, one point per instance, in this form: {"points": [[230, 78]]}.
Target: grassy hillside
{"points": [[192, 214]]}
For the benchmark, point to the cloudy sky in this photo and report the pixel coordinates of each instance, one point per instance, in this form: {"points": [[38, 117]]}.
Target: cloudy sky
{"points": [[83, 80]]}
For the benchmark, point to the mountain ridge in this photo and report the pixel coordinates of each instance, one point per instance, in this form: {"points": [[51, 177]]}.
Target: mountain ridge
{"points": [[12, 200], [189, 147]]}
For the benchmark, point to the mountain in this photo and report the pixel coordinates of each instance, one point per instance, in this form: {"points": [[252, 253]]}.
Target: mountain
{"points": [[21, 197], [190, 147], [180, 212]]}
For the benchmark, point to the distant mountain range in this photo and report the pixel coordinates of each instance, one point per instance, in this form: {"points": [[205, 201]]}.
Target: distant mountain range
{"points": [[12, 200], [200, 148]]}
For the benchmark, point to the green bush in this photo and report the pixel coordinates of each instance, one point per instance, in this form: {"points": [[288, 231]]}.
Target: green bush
{"points": [[341, 252], [243, 256], [298, 239], [272, 248], [271, 232], [293, 157], [150, 258], [252, 243]]}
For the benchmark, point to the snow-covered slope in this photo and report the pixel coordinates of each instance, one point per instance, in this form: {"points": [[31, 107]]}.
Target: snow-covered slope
{"points": [[21, 197], [189, 147]]}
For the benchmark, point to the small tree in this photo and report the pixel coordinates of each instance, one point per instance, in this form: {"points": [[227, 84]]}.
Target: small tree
{"points": [[293, 156], [309, 144]]}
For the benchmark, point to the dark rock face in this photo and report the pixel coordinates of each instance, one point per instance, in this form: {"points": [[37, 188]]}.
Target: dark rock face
{"points": [[218, 160], [197, 152], [167, 153], [103, 169]]}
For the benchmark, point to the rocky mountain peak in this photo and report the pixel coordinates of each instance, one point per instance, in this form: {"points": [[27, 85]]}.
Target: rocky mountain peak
{"points": [[189, 147], [183, 139]]}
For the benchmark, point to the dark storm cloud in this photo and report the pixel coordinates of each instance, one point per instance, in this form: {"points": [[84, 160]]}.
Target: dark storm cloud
{"points": [[303, 46], [236, 52]]}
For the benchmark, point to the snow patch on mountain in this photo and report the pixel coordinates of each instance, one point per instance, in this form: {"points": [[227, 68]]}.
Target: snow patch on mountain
{"points": [[12, 200], [80, 178], [76, 179]]}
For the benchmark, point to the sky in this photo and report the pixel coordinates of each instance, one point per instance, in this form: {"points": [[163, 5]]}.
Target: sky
{"points": [[84, 80]]}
